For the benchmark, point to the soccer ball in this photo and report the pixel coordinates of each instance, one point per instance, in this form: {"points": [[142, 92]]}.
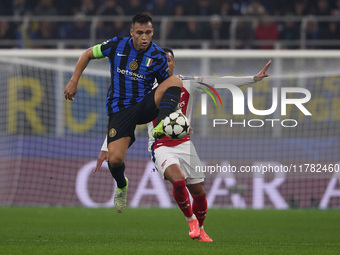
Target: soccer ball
{"points": [[176, 125]]}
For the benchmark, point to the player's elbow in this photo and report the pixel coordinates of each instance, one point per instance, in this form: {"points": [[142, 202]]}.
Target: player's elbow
{"points": [[88, 54]]}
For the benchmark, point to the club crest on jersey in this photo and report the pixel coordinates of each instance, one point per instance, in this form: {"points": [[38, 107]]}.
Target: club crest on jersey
{"points": [[148, 62], [133, 65], [112, 132]]}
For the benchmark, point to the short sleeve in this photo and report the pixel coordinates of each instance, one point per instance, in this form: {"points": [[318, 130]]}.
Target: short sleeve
{"points": [[104, 49]]}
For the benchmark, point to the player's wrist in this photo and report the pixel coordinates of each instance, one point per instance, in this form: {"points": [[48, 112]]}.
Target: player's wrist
{"points": [[256, 78], [74, 81]]}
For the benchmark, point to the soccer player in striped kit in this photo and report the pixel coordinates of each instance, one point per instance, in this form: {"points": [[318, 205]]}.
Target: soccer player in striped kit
{"points": [[175, 160], [136, 62]]}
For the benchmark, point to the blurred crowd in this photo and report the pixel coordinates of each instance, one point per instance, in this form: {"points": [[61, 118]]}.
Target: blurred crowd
{"points": [[216, 30]]}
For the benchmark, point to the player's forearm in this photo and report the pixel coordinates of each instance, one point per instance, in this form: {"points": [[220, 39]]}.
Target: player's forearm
{"points": [[238, 81], [225, 81], [82, 63]]}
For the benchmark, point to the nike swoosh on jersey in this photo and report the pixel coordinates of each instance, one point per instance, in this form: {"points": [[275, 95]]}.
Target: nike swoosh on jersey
{"points": [[121, 55]]}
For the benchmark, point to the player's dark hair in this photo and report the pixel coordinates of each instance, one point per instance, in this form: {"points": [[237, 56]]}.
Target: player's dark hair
{"points": [[170, 51], [141, 18]]}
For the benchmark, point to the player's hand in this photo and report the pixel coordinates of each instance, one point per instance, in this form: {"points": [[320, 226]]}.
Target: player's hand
{"points": [[70, 90], [103, 155], [262, 74]]}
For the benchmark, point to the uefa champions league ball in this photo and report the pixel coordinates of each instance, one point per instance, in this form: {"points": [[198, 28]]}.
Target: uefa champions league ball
{"points": [[176, 125]]}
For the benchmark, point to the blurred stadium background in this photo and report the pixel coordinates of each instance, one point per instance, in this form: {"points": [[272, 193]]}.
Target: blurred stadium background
{"points": [[48, 146], [222, 24]]}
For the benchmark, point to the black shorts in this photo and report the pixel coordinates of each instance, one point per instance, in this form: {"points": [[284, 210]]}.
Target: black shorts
{"points": [[123, 123]]}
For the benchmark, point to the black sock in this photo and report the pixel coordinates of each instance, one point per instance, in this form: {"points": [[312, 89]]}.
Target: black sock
{"points": [[118, 174], [169, 102]]}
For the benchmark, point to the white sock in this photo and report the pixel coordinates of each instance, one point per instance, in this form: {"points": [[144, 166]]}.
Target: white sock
{"points": [[191, 218]]}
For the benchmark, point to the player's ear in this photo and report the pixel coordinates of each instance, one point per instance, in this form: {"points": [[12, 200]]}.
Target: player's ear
{"points": [[131, 31]]}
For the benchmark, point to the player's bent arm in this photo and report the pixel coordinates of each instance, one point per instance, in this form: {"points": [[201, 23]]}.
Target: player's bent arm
{"points": [[83, 61]]}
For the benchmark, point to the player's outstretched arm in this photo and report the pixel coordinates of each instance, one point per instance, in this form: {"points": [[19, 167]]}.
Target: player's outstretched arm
{"points": [[225, 81], [71, 88], [262, 74]]}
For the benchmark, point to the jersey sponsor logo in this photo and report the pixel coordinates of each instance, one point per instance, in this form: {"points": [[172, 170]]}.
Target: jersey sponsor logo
{"points": [[134, 76], [120, 54], [133, 65]]}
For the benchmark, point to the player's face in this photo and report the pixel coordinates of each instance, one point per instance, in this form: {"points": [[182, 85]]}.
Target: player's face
{"points": [[171, 63], [142, 35]]}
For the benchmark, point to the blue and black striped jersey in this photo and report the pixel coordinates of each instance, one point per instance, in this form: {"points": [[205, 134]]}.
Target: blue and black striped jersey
{"points": [[132, 72]]}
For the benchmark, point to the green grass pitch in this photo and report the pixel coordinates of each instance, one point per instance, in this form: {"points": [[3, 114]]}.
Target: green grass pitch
{"points": [[36, 230]]}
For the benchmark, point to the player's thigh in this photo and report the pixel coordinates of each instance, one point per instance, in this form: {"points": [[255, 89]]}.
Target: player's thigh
{"points": [[122, 124], [147, 110], [117, 150], [188, 155], [163, 157], [170, 82], [173, 173], [190, 163]]}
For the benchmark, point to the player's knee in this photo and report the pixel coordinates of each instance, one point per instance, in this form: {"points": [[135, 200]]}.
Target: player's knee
{"points": [[178, 179], [179, 185], [174, 175], [172, 81], [115, 161], [176, 81]]}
